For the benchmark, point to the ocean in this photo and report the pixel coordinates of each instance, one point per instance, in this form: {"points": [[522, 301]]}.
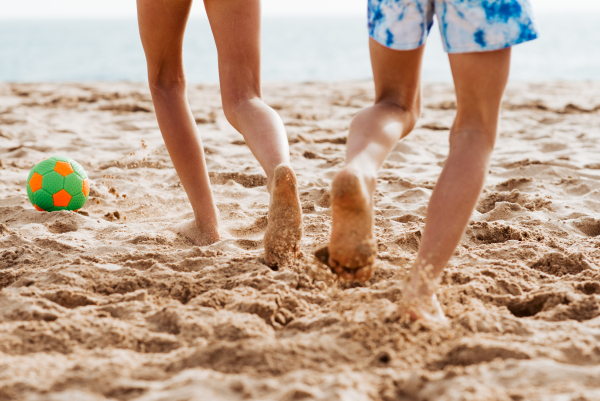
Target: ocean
{"points": [[294, 49]]}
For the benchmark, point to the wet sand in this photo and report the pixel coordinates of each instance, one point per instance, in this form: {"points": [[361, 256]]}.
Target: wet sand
{"points": [[111, 304]]}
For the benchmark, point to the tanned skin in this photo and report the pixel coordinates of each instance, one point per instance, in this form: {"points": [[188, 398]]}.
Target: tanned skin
{"points": [[480, 80], [236, 27]]}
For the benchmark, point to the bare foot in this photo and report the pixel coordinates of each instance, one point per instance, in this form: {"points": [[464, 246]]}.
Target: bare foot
{"points": [[418, 298], [190, 230], [352, 248], [423, 308], [284, 230]]}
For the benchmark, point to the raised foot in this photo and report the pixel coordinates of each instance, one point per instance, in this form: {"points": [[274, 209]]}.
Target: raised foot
{"points": [[352, 248], [361, 274], [284, 230], [190, 230]]}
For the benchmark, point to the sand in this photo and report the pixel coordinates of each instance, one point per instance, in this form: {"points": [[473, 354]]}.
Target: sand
{"points": [[111, 304]]}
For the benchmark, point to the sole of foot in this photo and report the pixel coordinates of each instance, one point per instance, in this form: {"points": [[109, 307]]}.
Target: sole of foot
{"points": [[361, 274], [190, 230], [352, 248], [284, 229]]}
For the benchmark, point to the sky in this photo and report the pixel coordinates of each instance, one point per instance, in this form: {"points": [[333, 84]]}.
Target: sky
{"points": [[56, 9]]}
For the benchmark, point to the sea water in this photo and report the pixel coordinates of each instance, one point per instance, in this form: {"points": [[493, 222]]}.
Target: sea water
{"points": [[294, 49]]}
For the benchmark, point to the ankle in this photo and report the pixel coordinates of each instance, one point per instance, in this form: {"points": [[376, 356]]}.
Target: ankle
{"points": [[207, 227], [368, 177], [422, 281], [208, 222], [271, 177]]}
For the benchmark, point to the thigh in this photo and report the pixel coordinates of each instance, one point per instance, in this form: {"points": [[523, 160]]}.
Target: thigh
{"points": [[397, 75], [400, 24], [480, 80], [162, 26], [236, 28], [477, 25]]}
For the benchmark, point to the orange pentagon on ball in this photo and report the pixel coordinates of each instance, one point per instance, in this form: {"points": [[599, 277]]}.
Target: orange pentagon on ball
{"points": [[86, 187], [35, 182], [63, 168], [61, 198]]}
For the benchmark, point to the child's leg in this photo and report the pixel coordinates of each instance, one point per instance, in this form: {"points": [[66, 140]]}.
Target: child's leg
{"points": [[162, 25], [236, 28], [480, 80], [373, 133]]}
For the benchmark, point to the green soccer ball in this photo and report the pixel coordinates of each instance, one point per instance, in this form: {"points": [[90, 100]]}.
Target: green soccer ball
{"points": [[57, 183]]}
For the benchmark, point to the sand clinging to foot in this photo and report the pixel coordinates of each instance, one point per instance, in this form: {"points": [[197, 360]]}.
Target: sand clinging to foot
{"points": [[352, 248], [284, 228]]}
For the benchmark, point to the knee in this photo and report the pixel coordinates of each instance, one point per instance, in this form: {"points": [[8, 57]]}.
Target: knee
{"points": [[235, 105], [475, 137], [231, 105], [406, 111], [167, 82], [476, 125]]}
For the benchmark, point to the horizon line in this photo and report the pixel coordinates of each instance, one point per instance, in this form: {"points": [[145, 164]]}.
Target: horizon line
{"points": [[266, 15]]}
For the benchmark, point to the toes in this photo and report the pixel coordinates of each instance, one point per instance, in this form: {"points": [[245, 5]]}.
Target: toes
{"points": [[339, 270], [414, 316], [333, 263], [347, 275], [360, 274], [364, 273], [425, 309]]}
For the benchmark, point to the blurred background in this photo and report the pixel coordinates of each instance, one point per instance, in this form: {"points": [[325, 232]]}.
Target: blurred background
{"points": [[303, 40]]}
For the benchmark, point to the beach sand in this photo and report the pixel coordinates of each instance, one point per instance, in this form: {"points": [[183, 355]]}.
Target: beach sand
{"points": [[113, 305]]}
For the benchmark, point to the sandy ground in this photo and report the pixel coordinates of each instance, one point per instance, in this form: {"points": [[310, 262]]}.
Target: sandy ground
{"points": [[114, 305]]}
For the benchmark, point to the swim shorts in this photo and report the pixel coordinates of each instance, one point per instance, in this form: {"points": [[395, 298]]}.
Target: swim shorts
{"points": [[466, 25]]}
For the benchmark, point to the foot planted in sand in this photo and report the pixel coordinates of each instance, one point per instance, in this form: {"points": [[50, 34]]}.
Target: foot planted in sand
{"points": [[284, 230], [190, 230], [419, 301]]}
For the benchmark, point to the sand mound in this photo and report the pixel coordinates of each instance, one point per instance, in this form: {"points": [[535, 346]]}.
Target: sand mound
{"points": [[111, 304]]}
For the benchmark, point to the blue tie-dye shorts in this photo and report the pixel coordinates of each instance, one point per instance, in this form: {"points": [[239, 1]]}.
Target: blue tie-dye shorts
{"points": [[466, 25]]}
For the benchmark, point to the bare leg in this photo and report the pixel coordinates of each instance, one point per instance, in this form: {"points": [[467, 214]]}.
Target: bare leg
{"points": [[162, 25], [373, 133], [480, 80], [236, 28]]}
